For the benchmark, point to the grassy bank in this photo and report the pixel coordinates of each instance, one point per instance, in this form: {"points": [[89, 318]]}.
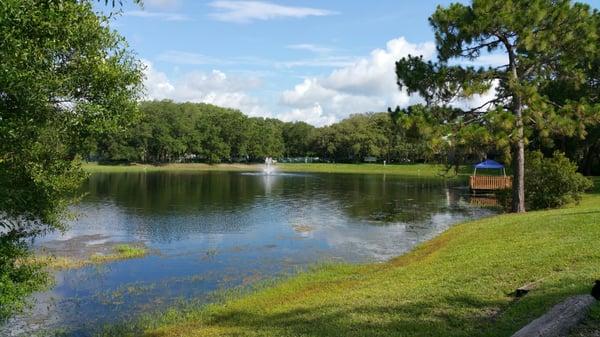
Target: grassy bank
{"points": [[458, 284], [424, 170], [99, 168]]}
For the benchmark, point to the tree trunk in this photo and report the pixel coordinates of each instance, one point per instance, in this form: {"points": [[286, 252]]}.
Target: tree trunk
{"points": [[518, 205], [518, 200], [589, 157], [560, 319]]}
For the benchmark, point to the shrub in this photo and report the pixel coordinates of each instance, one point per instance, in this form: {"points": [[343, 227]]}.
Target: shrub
{"points": [[17, 279], [504, 198], [549, 182]]}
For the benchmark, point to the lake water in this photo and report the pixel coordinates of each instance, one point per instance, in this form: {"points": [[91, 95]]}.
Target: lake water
{"points": [[209, 231]]}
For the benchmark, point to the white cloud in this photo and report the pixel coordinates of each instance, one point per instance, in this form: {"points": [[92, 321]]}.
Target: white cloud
{"points": [[355, 86], [248, 11], [157, 84], [478, 100], [213, 87], [166, 16], [368, 84], [313, 115]]}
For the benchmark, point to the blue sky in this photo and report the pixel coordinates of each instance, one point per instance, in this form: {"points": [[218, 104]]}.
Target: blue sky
{"points": [[316, 61]]}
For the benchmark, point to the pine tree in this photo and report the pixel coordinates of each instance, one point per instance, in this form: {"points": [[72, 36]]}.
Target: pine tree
{"points": [[541, 41]]}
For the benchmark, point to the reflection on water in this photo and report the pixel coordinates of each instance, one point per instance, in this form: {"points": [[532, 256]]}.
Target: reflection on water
{"points": [[216, 230]]}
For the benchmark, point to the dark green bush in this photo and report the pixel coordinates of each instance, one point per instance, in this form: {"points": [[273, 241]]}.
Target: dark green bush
{"points": [[504, 198], [549, 182], [18, 278], [552, 182]]}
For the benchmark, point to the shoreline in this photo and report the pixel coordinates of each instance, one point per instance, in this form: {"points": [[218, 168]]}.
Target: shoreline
{"points": [[413, 170], [442, 287]]}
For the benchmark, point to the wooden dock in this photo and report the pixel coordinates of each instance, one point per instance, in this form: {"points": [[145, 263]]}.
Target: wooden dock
{"points": [[489, 183]]}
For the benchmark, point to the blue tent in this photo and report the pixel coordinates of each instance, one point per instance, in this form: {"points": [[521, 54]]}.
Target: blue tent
{"points": [[490, 165]]}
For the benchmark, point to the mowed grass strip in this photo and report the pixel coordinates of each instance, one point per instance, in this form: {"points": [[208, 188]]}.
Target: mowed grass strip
{"points": [[413, 170], [138, 168], [457, 284], [416, 170]]}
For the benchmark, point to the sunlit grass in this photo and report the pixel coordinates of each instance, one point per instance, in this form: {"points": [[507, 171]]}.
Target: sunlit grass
{"points": [[416, 170], [424, 170], [98, 168], [458, 284], [58, 262], [119, 252]]}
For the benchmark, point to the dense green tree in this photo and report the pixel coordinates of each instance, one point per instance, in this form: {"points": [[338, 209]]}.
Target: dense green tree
{"points": [[66, 76], [175, 132], [583, 146], [539, 39], [552, 182], [298, 138], [212, 147], [324, 143], [265, 138], [414, 136], [355, 138]]}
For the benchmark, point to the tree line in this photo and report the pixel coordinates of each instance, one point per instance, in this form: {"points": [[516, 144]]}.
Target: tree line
{"points": [[196, 132], [167, 132]]}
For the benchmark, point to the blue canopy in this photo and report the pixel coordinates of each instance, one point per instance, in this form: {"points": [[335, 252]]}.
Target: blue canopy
{"points": [[489, 164]]}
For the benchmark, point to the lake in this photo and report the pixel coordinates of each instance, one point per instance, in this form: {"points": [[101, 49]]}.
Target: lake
{"points": [[211, 231]]}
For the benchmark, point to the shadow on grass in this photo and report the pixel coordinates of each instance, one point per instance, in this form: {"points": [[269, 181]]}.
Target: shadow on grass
{"points": [[460, 315], [413, 319], [114, 163], [596, 188]]}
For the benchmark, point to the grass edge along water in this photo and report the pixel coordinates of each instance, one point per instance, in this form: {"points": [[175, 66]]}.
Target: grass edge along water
{"points": [[457, 284]]}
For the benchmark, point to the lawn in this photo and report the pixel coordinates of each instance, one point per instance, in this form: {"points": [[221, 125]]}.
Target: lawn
{"points": [[458, 284], [425, 170], [101, 168]]}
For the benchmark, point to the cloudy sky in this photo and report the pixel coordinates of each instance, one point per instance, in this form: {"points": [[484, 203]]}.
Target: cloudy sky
{"points": [[308, 60]]}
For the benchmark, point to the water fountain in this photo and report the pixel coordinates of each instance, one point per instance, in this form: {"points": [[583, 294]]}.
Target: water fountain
{"points": [[269, 169]]}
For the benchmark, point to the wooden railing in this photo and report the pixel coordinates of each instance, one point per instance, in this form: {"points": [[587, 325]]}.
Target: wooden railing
{"points": [[489, 183]]}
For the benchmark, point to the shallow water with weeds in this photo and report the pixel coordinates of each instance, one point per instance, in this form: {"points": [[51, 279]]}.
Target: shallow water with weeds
{"points": [[210, 231]]}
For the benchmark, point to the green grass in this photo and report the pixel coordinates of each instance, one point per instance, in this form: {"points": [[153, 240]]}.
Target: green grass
{"points": [[424, 170], [57, 262], [457, 284], [98, 168], [119, 252]]}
